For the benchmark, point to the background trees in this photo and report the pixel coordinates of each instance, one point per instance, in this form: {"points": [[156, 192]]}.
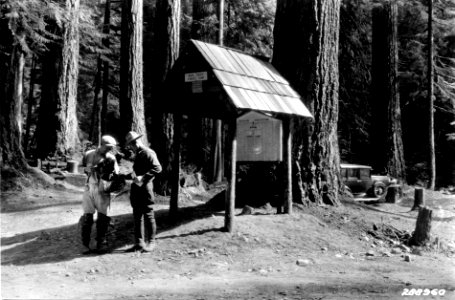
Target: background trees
{"points": [[132, 114], [387, 145], [306, 51], [42, 27]]}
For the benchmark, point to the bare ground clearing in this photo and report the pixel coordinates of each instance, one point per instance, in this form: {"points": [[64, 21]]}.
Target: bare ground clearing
{"points": [[316, 253]]}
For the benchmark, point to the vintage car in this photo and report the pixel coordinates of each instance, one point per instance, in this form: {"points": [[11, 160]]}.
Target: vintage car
{"points": [[359, 181]]}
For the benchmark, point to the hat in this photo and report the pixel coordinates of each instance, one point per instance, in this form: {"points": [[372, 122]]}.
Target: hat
{"points": [[107, 140], [132, 136]]}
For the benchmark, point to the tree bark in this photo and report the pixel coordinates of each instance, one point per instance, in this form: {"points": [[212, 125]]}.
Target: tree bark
{"points": [[422, 232], [132, 116], [11, 85], [95, 126], [218, 159], [167, 46], [200, 129], [106, 43], [386, 132], [197, 24], [30, 104], [68, 79], [306, 37], [430, 70], [57, 126]]}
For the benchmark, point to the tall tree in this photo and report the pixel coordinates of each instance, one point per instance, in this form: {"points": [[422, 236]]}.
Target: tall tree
{"points": [[386, 126], [95, 126], [197, 24], [58, 127], [167, 46], [12, 60], [200, 130], [430, 95], [106, 43], [218, 159], [132, 115], [30, 104], [306, 37]]}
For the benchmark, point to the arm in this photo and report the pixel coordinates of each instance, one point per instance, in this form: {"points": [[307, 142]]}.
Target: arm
{"points": [[153, 167]]}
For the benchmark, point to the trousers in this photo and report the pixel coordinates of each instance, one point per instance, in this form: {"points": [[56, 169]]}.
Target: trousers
{"points": [[95, 199], [142, 200]]}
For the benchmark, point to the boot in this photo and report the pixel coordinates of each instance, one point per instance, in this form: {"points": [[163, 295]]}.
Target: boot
{"points": [[86, 230], [150, 231], [102, 223]]}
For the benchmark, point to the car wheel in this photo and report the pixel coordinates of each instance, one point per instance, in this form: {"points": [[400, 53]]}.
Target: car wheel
{"points": [[378, 189]]}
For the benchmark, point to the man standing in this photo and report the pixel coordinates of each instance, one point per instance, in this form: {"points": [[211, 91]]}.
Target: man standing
{"points": [[100, 166], [145, 167]]}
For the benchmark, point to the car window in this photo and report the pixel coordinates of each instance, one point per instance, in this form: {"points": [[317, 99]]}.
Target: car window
{"points": [[344, 173], [353, 173], [364, 173]]}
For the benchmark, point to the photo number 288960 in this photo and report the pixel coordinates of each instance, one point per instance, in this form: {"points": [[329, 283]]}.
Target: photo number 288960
{"points": [[423, 292]]}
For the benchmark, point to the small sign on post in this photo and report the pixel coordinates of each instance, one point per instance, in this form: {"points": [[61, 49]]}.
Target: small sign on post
{"points": [[196, 76]]}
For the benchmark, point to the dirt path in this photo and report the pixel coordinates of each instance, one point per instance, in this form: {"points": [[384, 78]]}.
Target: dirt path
{"points": [[317, 253]]}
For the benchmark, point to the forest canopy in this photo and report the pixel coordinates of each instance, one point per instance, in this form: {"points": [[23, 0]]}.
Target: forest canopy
{"points": [[37, 29]]}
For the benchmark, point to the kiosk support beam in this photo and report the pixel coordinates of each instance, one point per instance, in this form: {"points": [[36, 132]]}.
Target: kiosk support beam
{"points": [[175, 175], [230, 193], [287, 157]]}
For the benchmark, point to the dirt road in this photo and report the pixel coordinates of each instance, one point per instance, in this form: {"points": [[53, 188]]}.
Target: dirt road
{"points": [[316, 253]]}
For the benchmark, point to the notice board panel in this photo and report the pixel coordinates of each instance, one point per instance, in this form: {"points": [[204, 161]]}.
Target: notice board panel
{"points": [[259, 138]]}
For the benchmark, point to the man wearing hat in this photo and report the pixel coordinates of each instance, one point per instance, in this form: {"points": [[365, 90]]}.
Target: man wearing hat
{"points": [[100, 166], [145, 167]]}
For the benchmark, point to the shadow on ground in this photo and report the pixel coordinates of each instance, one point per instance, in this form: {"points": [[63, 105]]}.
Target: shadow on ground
{"points": [[63, 243]]}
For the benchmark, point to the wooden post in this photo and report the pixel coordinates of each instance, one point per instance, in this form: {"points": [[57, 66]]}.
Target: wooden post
{"points": [[287, 158], [175, 175], [419, 198], [421, 234], [230, 194]]}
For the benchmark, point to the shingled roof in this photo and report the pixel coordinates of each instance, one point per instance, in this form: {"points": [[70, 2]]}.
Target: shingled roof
{"points": [[251, 83], [219, 82]]}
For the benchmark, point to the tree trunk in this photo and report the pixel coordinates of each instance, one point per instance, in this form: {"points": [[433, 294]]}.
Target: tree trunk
{"points": [[132, 115], [58, 127], [106, 43], [11, 85], [198, 20], [68, 80], [218, 159], [306, 53], [386, 132], [95, 126], [199, 129], [30, 104], [421, 234], [167, 45], [430, 70]]}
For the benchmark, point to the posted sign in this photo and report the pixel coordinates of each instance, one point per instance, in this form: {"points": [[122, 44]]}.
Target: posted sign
{"points": [[197, 76]]}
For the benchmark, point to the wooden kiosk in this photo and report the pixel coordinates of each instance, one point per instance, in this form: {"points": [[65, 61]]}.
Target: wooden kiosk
{"points": [[212, 81]]}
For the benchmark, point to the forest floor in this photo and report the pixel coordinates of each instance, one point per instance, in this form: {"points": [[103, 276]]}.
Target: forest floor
{"points": [[315, 253]]}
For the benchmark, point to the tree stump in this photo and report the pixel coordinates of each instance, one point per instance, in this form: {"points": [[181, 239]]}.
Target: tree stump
{"points": [[393, 193], [72, 166], [419, 198], [421, 234]]}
